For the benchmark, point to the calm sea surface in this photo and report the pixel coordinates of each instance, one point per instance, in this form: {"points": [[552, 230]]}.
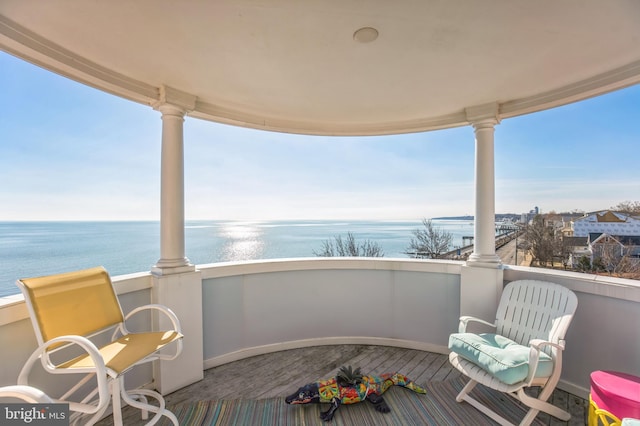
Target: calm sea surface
{"points": [[29, 249]]}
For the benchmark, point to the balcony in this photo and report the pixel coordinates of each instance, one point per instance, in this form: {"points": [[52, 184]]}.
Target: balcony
{"points": [[303, 67], [277, 374], [267, 307]]}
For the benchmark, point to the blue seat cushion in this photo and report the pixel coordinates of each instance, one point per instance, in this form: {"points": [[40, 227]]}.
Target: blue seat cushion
{"points": [[503, 358]]}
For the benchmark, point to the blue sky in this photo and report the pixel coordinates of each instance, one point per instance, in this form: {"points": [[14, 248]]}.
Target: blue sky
{"points": [[70, 152]]}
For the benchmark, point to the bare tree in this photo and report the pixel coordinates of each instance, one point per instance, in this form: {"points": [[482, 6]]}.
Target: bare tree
{"points": [[614, 257], [430, 242], [584, 264], [348, 247], [542, 241], [631, 208]]}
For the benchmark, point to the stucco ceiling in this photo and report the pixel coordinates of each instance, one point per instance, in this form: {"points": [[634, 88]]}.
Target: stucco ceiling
{"points": [[294, 66]]}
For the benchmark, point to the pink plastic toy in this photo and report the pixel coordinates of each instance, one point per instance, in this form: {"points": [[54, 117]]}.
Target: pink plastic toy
{"points": [[617, 393]]}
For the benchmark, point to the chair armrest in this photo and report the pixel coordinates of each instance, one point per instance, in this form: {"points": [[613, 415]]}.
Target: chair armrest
{"points": [[168, 313], [464, 320], [539, 343], [536, 346], [175, 322], [87, 345], [25, 393], [99, 369]]}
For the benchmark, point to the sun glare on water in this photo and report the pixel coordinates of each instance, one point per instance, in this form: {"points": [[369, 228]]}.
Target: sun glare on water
{"points": [[244, 241]]}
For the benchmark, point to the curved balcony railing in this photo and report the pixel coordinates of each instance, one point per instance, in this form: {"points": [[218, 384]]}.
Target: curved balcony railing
{"points": [[256, 307]]}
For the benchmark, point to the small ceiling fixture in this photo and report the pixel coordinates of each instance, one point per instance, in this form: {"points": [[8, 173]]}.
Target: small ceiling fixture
{"points": [[365, 35]]}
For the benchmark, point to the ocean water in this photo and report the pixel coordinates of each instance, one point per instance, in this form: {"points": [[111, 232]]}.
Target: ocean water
{"points": [[29, 249]]}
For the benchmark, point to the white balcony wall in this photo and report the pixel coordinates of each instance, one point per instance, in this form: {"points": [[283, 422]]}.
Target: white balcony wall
{"points": [[265, 306]]}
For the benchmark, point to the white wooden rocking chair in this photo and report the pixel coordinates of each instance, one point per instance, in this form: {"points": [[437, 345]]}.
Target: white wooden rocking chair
{"points": [[526, 349]]}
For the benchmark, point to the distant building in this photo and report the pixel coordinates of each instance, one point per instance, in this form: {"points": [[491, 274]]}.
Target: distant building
{"points": [[528, 217], [567, 222], [602, 234], [576, 247], [611, 249], [606, 222]]}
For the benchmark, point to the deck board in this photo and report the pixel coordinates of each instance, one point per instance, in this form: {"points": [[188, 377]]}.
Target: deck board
{"points": [[281, 373]]}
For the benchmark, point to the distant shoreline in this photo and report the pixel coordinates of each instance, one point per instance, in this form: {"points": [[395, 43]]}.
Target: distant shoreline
{"points": [[453, 218], [187, 221], [499, 216]]}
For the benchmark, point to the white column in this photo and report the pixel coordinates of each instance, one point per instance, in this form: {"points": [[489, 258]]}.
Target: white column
{"points": [[172, 247], [484, 249], [482, 278], [176, 283]]}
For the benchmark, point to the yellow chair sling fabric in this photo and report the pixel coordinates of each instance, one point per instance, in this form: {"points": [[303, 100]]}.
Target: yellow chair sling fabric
{"points": [[71, 309]]}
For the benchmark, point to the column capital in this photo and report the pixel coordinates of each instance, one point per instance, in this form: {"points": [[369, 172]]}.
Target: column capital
{"points": [[483, 116], [174, 102]]}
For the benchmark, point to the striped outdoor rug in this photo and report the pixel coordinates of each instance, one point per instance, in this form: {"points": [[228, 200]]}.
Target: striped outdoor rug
{"points": [[437, 407]]}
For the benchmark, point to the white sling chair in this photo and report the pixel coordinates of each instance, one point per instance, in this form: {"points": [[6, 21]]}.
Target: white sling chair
{"points": [[26, 393], [526, 349], [71, 313]]}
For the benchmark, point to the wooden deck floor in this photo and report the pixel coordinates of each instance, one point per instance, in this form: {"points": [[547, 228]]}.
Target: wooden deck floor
{"points": [[281, 373]]}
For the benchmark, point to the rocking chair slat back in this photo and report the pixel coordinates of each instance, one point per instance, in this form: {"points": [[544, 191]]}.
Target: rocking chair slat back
{"points": [[535, 310]]}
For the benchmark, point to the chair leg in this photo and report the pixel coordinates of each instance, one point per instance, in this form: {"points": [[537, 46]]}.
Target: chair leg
{"points": [[116, 389], [535, 404], [487, 411], [142, 399], [529, 417], [132, 398], [466, 389], [464, 396], [540, 404]]}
